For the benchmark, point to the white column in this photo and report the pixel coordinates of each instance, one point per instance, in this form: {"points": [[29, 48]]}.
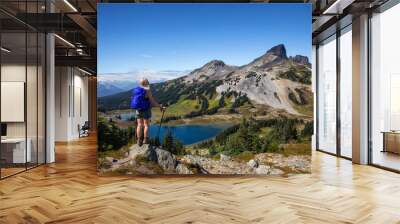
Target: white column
{"points": [[314, 90], [50, 99], [360, 89]]}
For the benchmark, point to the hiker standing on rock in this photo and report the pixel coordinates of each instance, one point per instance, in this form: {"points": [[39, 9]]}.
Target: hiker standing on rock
{"points": [[142, 101]]}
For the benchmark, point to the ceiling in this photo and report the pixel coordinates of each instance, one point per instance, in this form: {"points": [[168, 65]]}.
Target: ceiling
{"points": [[75, 21]]}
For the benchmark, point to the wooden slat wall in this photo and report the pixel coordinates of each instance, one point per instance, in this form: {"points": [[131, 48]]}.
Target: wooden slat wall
{"points": [[92, 83]]}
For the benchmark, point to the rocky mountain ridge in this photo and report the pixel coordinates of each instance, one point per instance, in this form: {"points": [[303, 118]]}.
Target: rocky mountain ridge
{"points": [[106, 89], [273, 79]]}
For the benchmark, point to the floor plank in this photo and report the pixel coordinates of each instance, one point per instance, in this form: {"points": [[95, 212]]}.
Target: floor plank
{"points": [[70, 191]]}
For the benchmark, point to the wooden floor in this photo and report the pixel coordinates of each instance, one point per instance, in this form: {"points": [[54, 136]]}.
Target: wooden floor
{"points": [[70, 191], [386, 159], [5, 172]]}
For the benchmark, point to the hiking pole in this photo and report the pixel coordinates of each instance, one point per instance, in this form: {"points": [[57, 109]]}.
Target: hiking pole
{"points": [[159, 127]]}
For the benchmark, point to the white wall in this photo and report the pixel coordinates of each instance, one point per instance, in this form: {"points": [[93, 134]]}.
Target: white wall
{"points": [[62, 82], [14, 72], [71, 102]]}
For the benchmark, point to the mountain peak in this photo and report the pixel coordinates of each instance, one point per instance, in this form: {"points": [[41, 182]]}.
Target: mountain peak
{"points": [[216, 63], [278, 50]]}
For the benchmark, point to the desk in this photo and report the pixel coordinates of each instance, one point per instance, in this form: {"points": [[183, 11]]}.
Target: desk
{"points": [[13, 150], [391, 141]]}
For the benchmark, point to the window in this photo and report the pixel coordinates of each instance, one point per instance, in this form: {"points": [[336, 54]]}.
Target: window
{"points": [[385, 89], [327, 95], [346, 92]]}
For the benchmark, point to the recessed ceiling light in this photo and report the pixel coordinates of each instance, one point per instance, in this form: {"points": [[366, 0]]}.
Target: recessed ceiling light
{"points": [[5, 50], [70, 5], [84, 71], [338, 6], [64, 40]]}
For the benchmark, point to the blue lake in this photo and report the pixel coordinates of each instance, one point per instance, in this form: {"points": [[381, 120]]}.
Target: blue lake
{"points": [[187, 134], [191, 133], [126, 116]]}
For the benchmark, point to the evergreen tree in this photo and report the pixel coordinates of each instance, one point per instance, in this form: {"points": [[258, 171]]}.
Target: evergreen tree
{"points": [[168, 141], [308, 130], [172, 144], [110, 136]]}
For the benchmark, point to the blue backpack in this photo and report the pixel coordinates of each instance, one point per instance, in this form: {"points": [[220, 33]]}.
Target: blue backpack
{"points": [[139, 100]]}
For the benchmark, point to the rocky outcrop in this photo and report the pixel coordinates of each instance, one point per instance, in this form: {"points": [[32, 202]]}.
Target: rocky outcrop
{"points": [[292, 164], [301, 60], [144, 159], [263, 170], [252, 163], [152, 160], [183, 169], [224, 157], [166, 160]]}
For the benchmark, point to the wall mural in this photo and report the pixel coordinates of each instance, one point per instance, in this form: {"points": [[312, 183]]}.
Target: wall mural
{"points": [[204, 89]]}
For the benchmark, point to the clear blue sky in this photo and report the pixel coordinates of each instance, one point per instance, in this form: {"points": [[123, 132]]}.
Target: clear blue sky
{"points": [[186, 36]]}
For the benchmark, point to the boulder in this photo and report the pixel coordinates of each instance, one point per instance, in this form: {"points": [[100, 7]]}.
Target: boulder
{"points": [[262, 170], [182, 169], [151, 154], [196, 163], [165, 159], [252, 163], [109, 159], [224, 157], [136, 150]]}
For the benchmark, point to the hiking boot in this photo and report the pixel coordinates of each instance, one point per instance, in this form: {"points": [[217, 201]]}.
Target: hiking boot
{"points": [[140, 142], [146, 141]]}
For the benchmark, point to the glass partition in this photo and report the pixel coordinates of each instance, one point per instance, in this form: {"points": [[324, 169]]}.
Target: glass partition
{"points": [[385, 89], [31, 98], [22, 88], [41, 96], [327, 95], [14, 153]]}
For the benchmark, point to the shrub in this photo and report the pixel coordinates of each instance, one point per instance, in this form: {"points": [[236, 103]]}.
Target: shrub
{"points": [[245, 156], [212, 151], [110, 136]]}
